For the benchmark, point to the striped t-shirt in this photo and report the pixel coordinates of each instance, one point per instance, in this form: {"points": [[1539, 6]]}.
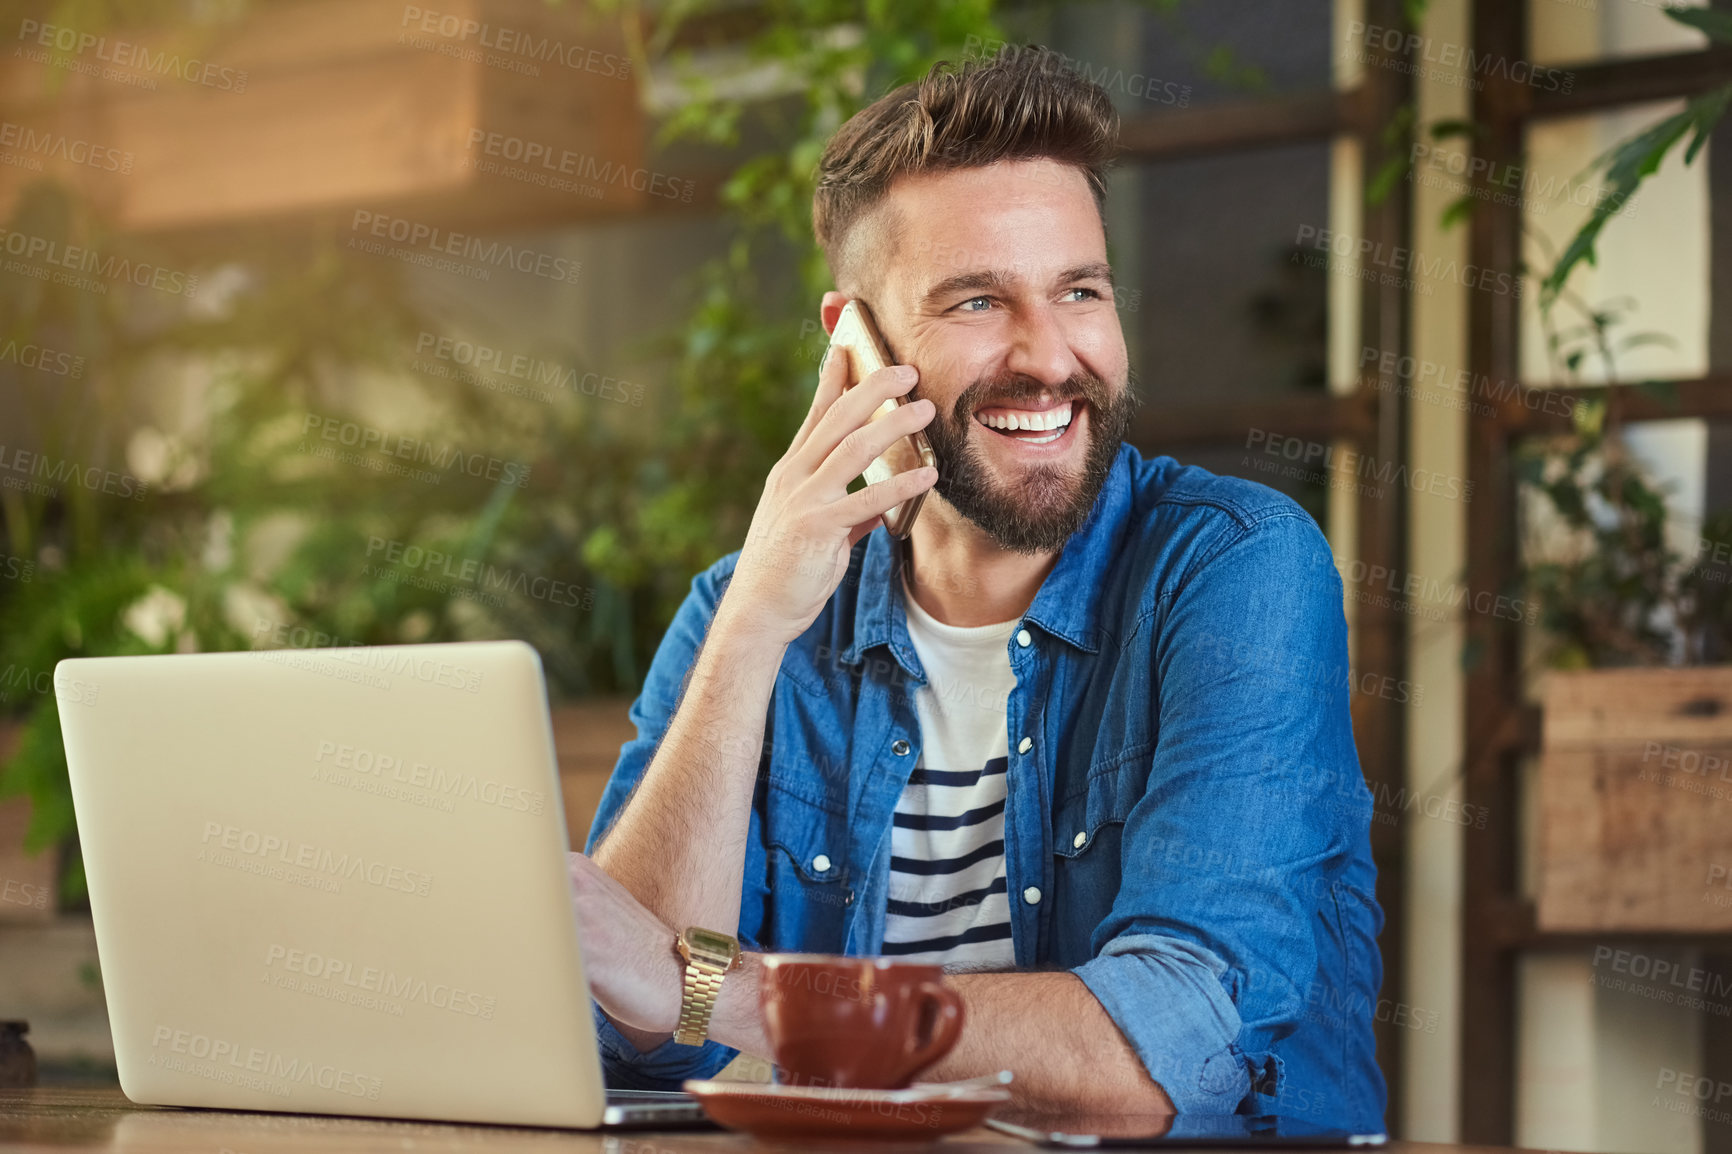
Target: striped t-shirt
{"points": [[947, 899]]}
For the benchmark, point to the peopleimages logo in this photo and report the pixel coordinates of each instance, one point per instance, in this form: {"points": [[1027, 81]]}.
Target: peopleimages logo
{"points": [[433, 241], [440, 456], [72, 258], [43, 360], [442, 782], [128, 55], [17, 893], [514, 42], [222, 1060], [231, 845], [472, 575], [385, 983], [521, 366], [59, 146], [1477, 66], [46, 474], [1398, 260], [545, 163]]}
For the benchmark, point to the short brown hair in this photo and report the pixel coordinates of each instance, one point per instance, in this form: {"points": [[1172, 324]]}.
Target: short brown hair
{"points": [[1023, 103]]}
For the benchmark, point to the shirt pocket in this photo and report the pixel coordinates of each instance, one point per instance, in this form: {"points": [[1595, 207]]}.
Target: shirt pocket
{"points": [[808, 892], [1088, 858]]}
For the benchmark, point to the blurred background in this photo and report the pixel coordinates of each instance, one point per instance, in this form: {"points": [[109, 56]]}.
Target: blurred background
{"points": [[333, 322]]}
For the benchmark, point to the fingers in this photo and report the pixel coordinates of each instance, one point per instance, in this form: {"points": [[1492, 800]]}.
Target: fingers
{"points": [[852, 410], [832, 380], [861, 530], [872, 502], [867, 443]]}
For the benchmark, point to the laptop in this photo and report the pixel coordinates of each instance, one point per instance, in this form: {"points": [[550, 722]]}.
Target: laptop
{"points": [[333, 881]]}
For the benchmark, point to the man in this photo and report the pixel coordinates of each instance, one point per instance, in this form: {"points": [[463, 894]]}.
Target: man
{"points": [[1084, 735]]}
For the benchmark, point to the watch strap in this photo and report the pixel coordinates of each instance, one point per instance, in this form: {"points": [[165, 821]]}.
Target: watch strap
{"points": [[702, 985]]}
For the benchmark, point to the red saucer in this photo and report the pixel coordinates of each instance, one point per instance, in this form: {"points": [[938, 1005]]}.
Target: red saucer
{"points": [[923, 1110]]}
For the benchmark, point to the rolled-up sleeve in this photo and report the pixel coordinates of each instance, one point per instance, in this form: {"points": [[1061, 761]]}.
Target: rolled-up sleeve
{"points": [[1190, 1043], [663, 1068], [670, 1063], [1204, 961]]}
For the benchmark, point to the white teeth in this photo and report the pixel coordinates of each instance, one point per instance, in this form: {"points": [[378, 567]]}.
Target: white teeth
{"points": [[1056, 417]]}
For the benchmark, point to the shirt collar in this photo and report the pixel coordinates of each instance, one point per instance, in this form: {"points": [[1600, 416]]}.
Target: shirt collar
{"points": [[1067, 605]]}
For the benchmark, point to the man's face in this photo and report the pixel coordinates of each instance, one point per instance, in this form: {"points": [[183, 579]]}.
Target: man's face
{"points": [[998, 291]]}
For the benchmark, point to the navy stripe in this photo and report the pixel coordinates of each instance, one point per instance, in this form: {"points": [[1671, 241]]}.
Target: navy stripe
{"points": [[991, 933], [908, 865], [934, 821], [928, 909], [962, 777]]}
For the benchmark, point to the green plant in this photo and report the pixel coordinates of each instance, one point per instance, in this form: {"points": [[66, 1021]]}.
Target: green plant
{"points": [[1620, 595], [1596, 559], [243, 535]]}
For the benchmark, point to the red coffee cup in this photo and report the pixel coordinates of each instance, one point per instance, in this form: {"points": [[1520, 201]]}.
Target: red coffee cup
{"points": [[869, 1023]]}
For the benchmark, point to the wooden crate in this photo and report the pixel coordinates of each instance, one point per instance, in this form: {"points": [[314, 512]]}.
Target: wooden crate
{"points": [[325, 107], [1634, 805]]}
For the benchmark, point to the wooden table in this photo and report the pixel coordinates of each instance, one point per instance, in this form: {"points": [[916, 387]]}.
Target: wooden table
{"points": [[102, 1119]]}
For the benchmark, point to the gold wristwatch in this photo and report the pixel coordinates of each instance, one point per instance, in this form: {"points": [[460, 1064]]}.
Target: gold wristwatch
{"points": [[708, 956]]}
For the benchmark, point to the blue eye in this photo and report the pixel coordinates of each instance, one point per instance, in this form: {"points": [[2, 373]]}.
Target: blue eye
{"points": [[1092, 294], [974, 300]]}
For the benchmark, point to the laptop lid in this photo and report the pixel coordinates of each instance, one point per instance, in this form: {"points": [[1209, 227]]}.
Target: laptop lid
{"points": [[333, 881]]}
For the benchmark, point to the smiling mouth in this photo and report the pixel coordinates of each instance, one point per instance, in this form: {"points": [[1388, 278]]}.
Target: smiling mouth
{"points": [[1035, 427]]}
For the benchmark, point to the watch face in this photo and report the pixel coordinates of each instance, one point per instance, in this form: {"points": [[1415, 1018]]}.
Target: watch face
{"points": [[710, 942]]}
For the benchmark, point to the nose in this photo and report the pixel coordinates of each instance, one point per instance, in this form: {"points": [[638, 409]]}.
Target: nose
{"points": [[1040, 350]]}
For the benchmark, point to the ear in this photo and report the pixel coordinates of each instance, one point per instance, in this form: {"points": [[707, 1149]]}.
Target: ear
{"points": [[830, 310]]}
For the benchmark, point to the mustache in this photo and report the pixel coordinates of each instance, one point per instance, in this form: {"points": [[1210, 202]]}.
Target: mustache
{"points": [[1014, 390]]}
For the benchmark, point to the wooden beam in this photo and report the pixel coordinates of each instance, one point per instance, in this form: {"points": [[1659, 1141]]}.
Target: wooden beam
{"points": [[1488, 1004], [1645, 939], [1533, 411], [1611, 83], [1380, 637], [1242, 125], [1315, 416]]}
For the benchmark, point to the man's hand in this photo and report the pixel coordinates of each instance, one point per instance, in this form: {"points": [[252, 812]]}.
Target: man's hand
{"points": [[628, 953], [796, 549]]}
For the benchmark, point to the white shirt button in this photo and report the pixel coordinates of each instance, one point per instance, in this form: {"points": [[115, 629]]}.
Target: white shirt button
{"points": [[1031, 895], [1023, 639], [1079, 839], [820, 864], [1025, 745]]}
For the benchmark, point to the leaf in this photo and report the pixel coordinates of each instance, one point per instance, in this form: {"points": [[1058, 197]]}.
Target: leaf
{"points": [[1391, 173], [1223, 65], [1638, 340], [1716, 24], [1626, 165], [1665, 392], [1459, 211], [1445, 129]]}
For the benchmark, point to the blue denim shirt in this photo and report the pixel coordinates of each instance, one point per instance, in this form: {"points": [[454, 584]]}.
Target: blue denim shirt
{"points": [[1187, 830]]}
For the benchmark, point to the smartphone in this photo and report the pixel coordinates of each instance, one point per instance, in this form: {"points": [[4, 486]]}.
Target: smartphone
{"points": [[857, 337]]}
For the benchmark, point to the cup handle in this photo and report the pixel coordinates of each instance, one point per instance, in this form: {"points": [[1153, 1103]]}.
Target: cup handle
{"points": [[946, 1006]]}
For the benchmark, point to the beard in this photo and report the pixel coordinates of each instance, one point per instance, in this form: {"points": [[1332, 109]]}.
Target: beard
{"points": [[1039, 509]]}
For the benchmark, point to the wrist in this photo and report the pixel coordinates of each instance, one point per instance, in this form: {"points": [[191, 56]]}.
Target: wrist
{"points": [[738, 1023], [743, 631]]}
